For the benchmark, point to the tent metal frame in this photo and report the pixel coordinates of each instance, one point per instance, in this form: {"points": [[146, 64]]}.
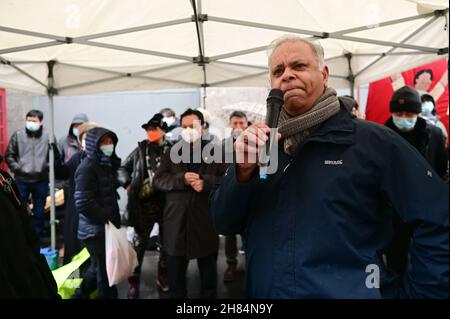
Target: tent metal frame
{"points": [[199, 18], [201, 60]]}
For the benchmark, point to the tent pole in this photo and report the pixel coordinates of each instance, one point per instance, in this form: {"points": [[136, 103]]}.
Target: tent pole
{"points": [[415, 32], [51, 137], [203, 99], [351, 76]]}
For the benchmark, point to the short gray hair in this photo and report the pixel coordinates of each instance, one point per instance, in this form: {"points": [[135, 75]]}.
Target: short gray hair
{"points": [[315, 47]]}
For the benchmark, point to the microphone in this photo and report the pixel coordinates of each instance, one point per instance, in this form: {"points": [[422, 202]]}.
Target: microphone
{"points": [[274, 103]]}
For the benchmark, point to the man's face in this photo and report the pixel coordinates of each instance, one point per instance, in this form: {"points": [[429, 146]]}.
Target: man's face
{"points": [[238, 123], [192, 129], [294, 70], [192, 121], [423, 82]]}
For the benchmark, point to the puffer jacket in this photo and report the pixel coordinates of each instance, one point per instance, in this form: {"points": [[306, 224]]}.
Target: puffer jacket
{"points": [[95, 187], [27, 155]]}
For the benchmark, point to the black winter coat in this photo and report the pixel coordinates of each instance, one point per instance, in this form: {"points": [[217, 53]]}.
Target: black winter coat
{"points": [[133, 172], [315, 227], [66, 171], [95, 188], [429, 141], [187, 223], [24, 272]]}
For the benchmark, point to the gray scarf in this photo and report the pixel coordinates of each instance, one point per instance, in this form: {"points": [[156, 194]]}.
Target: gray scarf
{"points": [[295, 130]]}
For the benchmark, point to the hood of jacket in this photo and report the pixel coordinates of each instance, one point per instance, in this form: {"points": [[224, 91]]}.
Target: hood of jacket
{"points": [[93, 151], [79, 118]]}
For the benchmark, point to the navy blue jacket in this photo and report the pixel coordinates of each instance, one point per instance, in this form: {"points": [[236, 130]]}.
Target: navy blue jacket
{"points": [[318, 227], [95, 187]]}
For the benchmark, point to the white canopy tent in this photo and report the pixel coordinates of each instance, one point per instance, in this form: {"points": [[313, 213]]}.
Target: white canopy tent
{"points": [[71, 47]]}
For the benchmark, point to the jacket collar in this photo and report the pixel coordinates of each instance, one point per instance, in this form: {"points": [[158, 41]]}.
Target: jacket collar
{"points": [[36, 134], [338, 129]]}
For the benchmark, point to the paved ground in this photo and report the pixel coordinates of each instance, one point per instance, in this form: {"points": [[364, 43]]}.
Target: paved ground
{"points": [[149, 290]]}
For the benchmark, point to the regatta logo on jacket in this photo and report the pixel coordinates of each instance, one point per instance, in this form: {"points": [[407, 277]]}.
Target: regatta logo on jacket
{"points": [[329, 162]]}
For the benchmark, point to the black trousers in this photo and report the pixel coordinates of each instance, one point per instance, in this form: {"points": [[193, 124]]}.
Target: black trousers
{"points": [[96, 248], [231, 249], [143, 230], [176, 271]]}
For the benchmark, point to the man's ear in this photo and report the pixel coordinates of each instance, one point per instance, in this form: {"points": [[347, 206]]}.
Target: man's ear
{"points": [[325, 74]]}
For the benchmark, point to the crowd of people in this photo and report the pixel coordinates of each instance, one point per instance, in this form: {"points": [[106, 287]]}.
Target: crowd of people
{"points": [[348, 194]]}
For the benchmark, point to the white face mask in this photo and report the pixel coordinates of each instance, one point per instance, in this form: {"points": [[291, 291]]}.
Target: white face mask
{"points": [[108, 150], [75, 131], [32, 126], [83, 144], [190, 135], [169, 120], [427, 107], [404, 123]]}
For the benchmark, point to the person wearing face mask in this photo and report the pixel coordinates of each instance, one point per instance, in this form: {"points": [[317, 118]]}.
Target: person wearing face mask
{"points": [[66, 171], [405, 106], [27, 158], [173, 125], [429, 114], [145, 204], [187, 227], [72, 245], [68, 145], [96, 201], [238, 123]]}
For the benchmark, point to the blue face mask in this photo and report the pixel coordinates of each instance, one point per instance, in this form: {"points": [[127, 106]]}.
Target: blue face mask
{"points": [[75, 131], [427, 107], [32, 126], [404, 123], [107, 149]]}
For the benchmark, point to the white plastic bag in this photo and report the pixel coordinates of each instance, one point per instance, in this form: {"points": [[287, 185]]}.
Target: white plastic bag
{"points": [[121, 258]]}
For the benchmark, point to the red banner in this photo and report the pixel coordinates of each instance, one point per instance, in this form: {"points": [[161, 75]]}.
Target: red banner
{"points": [[432, 78]]}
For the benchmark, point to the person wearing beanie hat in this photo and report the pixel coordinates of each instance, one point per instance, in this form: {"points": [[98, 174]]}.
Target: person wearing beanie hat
{"points": [[405, 106], [145, 203]]}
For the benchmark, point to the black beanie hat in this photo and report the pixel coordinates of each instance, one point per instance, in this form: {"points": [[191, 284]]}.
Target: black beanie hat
{"points": [[406, 99]]}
